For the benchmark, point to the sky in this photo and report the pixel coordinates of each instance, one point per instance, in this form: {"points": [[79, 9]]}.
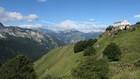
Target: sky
{"points": [[82, 15]]}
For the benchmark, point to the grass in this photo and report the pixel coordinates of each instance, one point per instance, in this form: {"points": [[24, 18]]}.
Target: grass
{"points": [[57, 62], [129, 43], [60, 61]]}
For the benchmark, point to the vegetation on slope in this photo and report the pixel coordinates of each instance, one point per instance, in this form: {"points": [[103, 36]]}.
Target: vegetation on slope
{"points": [[58, 62], [81, 45], [89, 51], [20, 67], [92, 68], [126, 68], [128, 42], [112, 51]]}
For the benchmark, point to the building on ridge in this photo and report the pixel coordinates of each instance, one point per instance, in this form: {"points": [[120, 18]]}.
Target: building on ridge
{"points": [[121, 25]]}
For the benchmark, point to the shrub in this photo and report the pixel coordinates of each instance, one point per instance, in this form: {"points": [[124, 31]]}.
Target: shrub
{"points": [[89, 51], [138, 23], [20, 67], [137, 64], [91, 69], [134, 28], [90, 42], [81, 45], [109, 28], [112, 52], [100, 35]]}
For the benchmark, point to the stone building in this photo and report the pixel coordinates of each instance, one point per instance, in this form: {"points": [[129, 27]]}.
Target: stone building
{"points": [[121, 25]]}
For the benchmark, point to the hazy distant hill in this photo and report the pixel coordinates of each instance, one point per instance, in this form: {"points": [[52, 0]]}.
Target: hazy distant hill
{"points": [[70, 36]]}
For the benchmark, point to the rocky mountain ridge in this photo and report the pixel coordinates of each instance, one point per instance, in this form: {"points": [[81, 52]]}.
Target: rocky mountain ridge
{"points": [[70, 36], [15, 40]]}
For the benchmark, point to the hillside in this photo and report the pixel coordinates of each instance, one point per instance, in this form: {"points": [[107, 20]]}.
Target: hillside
{"points": [[128, 42], [15, 40], [57, 62]]}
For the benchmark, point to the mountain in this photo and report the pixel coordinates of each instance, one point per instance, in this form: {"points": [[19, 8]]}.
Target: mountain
{"points": [[70, 36], [15, 40], [59, 62], [1, 25], [50, 33]]}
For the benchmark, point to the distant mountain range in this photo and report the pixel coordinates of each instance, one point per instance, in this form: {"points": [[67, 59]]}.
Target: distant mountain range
{"points": [[15, 40], [70, 36], [36, 42]]}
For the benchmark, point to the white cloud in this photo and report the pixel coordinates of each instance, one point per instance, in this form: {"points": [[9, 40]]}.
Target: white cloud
{"points": [[12, 16], [32, 17], [42, 0], [83, 26], [68, 24], [137, 16], [33, 26], [6, 16]]}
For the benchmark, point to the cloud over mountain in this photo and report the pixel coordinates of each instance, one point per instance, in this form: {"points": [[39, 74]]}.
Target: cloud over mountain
{"points": [[84, 26], [32, 26], [32, 17], [6, 16]]}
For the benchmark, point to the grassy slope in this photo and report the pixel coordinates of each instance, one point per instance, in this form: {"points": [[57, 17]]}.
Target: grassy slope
{"points": [[57, 62], [129, 43], [126, 40]]}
